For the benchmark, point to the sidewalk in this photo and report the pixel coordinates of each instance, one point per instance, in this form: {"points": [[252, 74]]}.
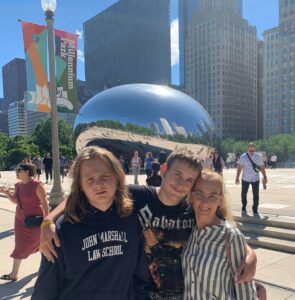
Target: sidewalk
{"points": [[276, 268]]}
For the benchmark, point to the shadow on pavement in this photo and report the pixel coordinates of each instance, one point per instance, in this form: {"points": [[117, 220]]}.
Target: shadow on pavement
{"points": [[7, 233], [11, 290]]}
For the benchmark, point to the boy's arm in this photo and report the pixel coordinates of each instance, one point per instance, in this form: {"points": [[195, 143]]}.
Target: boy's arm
{"points": [[48, 233]]}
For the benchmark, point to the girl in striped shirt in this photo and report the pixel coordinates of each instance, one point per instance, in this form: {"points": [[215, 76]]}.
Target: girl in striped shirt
{"points": [[205, 264]]}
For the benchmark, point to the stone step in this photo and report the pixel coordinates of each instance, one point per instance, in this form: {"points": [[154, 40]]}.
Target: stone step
{"points": [[279, 222], [269, 231], [270, 243]]}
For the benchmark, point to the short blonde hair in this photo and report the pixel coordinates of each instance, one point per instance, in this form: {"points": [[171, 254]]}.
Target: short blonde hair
{"points": [[75, 209], [223, 211]]}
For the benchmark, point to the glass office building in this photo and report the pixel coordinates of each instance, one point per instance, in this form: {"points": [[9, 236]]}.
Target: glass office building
{"points": [[129, 42]]}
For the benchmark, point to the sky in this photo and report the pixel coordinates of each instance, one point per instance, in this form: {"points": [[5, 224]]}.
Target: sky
{"points": [[71, 14]]}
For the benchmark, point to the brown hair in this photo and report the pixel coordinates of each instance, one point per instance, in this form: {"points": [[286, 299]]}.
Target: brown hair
{"points": [[187, 156], [27, 167], [223, 211], [75, 209]]}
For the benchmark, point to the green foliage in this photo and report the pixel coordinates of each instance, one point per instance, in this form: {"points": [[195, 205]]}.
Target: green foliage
{"points": [[283, 145]]}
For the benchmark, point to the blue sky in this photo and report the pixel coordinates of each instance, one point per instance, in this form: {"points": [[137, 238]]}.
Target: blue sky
{"points": [[70, 15]]}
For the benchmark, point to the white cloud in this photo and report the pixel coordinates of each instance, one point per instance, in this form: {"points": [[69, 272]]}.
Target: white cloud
{"points": [[80, 55], [80, 33], [174, 42]]}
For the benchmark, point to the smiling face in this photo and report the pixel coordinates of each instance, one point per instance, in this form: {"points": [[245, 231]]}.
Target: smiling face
{"points": [[177, 182], [205, 198], [98, 183]]}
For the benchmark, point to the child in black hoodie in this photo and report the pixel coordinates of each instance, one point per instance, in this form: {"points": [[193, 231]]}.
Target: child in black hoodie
{"points": [[102, 253]]}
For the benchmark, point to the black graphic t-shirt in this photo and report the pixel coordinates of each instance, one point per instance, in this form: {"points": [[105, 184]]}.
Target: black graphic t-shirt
{"points": [[166, 230]]}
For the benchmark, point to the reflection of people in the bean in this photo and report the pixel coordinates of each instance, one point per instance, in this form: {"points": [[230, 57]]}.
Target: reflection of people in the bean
{"points": [[30, 200], [206, 268], [102, 254]]}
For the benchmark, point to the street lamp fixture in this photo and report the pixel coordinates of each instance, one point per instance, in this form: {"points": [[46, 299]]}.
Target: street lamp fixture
{"points": [[56, 194]]}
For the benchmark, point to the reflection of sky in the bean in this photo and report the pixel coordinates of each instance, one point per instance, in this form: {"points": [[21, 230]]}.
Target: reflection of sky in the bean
{"points": [[161, 109]]}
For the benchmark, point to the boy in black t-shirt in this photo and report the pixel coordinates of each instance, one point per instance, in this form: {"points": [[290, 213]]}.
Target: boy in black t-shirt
{"points": [[155, 179], [166, 220]]}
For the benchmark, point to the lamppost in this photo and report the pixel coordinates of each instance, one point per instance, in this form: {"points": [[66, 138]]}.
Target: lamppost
{"points": [[56, 194]]}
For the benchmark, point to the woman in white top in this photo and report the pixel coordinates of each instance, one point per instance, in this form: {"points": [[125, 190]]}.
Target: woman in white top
{"points": [[135, 166], [206, 268]]}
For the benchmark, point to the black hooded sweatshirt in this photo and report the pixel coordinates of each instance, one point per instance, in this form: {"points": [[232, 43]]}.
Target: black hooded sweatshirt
{"points": [[100, 258]]}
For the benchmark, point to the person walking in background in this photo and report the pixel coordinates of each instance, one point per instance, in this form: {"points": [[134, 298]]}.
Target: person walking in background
{"points": [[148, 163], [218, 162], [62, 166], [102, 254], [251, 163], [37, 161], [214, 223], [273, 161], [208, 164], [30, 200], [47, 162], [162, 157], [155, 179], [135, 166]]}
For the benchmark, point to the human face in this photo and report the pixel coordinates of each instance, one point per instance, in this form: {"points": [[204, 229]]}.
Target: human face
{"points": [[205, 199], [21, 174], [251, 150], [98, 183], [177, 182]]}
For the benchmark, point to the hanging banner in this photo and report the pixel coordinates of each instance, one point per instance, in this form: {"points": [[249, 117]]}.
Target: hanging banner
{"points": [[66, 71], [35, 42]]}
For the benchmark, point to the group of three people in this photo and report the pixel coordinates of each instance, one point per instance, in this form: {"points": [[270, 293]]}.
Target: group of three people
{"points": [[145, 243]]}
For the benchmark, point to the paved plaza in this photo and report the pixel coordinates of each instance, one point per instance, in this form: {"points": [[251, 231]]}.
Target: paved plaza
{"points": [[275, 268]]}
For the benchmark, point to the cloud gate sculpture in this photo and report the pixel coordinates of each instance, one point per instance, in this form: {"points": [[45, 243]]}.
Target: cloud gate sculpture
{"points": [[144, 117]]}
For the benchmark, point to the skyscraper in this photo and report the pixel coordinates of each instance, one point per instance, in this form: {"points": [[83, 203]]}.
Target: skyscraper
{"points": [[14, 81], [17, 119], [221, 67], [129, 42], [279, 52], [272, 101], [186, 9]]}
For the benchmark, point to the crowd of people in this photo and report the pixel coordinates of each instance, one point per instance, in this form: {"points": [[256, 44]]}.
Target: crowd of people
{"points": [[108, 240]]}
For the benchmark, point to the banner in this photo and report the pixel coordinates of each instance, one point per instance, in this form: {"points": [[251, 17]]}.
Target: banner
{"points": [[35, 42], [66, 71]]}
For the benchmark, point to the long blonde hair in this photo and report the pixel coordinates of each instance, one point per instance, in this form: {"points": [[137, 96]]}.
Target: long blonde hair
{"points": [[75, 209], [223, 211]]}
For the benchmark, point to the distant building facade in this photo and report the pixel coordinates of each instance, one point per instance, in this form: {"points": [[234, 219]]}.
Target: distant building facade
{"points": [[272, 102], [1, 104], [17, 119], [221, 67], [260, 87], [129, 42], [14, 81], [3, 123], [186, 10]]}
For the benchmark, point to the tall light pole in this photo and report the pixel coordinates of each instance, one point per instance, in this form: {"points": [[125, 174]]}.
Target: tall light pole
{"points": [[56, 194]]}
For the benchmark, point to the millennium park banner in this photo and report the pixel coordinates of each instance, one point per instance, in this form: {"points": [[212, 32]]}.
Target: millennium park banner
{"points": [[66, 69], [37, 94], [35, 42]]}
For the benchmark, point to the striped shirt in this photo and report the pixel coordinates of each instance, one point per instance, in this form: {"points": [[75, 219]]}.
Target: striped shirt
{"points": [[249, 174], [207, 274]]}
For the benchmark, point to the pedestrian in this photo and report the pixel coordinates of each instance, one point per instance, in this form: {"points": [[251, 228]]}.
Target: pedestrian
{"points": [[214, 225], [155, 179], [30, 200], [135, 166], [251, 164], [148, 163], [102, 254], [162, 158], [166, 221], [218, 162], [273, 160], [47, 162], [37, 161], [62, 166], [208, 162], [124, 164]]}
